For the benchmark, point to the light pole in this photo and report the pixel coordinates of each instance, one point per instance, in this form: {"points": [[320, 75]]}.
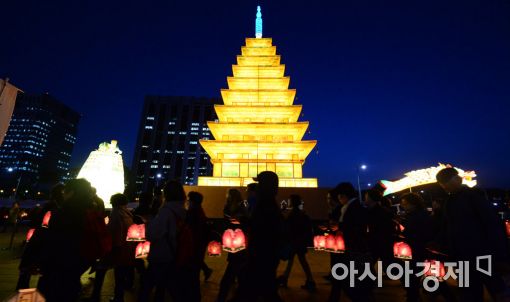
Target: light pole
{"points": [[360, 168], [10, 170], [158, 177]]}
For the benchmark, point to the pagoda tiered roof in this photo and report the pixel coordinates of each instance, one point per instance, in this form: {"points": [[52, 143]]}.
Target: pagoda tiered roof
{"points": [[257, 128]]}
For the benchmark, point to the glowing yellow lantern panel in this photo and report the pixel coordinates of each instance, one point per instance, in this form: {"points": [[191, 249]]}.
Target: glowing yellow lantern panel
{"points": [[104, 169]]}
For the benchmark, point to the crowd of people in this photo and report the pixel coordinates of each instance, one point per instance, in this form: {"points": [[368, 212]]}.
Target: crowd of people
{"points": [[78, 239]]}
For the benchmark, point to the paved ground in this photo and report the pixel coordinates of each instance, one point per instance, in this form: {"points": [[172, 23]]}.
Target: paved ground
{"points": [[392, 291]]}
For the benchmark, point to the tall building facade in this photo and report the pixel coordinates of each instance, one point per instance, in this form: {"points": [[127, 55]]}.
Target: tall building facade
{"points": [[40, 140], [168, 140], [257, 128]]}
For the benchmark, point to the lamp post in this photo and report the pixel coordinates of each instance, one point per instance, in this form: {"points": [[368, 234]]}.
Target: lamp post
{"points": [[11, 170], [158, 177], [360, 168]]}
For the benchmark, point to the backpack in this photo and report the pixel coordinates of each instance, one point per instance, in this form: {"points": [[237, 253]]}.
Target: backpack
{"points": [[96, 241], [185, 247]]}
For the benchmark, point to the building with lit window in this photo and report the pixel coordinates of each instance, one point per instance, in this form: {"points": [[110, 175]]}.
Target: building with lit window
{"points": [[168, 140], [39, 142]]}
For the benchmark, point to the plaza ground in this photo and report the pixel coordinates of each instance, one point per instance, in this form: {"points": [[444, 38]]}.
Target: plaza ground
{"points": [[319, 262]]}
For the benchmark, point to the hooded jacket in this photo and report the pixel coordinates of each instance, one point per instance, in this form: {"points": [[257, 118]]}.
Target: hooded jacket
{"points": [[162, 232]]}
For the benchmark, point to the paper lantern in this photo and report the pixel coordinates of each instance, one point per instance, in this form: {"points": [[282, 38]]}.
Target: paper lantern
{"points": [[330, 242], [507, 228], [214, 249], [402, 250], [106, 220], [136, 232], [339, 244], [46, 219], [234, 241], [319, 242], [142, 250], [29, 234], [435, 268]]}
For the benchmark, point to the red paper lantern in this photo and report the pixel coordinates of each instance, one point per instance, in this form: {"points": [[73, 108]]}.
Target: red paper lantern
{"points": [[507, 228], [330, 242], [234, 241], [142, 250], [435, 268], [319, 242], [29, 234], [214, 249], [136, 232], [146, 247], [339, 244], [46, 219], [333, 243], [402, 250]]}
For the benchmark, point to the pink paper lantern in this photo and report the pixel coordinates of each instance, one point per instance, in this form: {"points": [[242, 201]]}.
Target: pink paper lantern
{"points": [[435, 268], [319, 242], [234, 241], [136, 232], [46, 219], [214, 249], [339, 244], [402, 250], [142, 250], [330, 243], [30, 233]]}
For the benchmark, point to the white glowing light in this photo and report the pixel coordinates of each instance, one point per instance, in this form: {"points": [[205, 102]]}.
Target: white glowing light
{"points": [[104, 169], [424, 177]]}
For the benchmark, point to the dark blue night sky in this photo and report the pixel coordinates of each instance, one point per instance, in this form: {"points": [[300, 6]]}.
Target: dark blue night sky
{"points": [[397, 85]]}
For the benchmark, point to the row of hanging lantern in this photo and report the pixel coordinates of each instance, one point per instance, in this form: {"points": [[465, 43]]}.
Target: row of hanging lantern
{"points": [[330, 243]]}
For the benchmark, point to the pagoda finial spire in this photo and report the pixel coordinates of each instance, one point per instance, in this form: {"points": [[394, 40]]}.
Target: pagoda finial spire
{"points": [[258, 23]]}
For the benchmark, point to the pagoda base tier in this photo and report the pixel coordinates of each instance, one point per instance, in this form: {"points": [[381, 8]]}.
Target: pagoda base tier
{"points": [[244, 181]]}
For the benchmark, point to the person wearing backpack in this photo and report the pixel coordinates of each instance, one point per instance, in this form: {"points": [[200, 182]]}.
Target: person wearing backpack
{"points": [[162, 232]]}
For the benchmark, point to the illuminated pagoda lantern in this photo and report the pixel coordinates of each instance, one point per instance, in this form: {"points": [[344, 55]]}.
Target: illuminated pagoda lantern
{"points": [[104, 169], [257, 128]]}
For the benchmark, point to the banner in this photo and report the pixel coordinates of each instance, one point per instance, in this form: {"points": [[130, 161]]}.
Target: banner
{"points": [[8, 95]]}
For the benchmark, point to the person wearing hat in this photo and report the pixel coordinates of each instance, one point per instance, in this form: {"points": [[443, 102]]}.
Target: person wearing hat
{"points": [[471, 228], [259, 277]]}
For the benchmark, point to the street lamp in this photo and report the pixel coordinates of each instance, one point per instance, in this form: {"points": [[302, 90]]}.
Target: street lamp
{"points": [[360, 168], [158, 177]]}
